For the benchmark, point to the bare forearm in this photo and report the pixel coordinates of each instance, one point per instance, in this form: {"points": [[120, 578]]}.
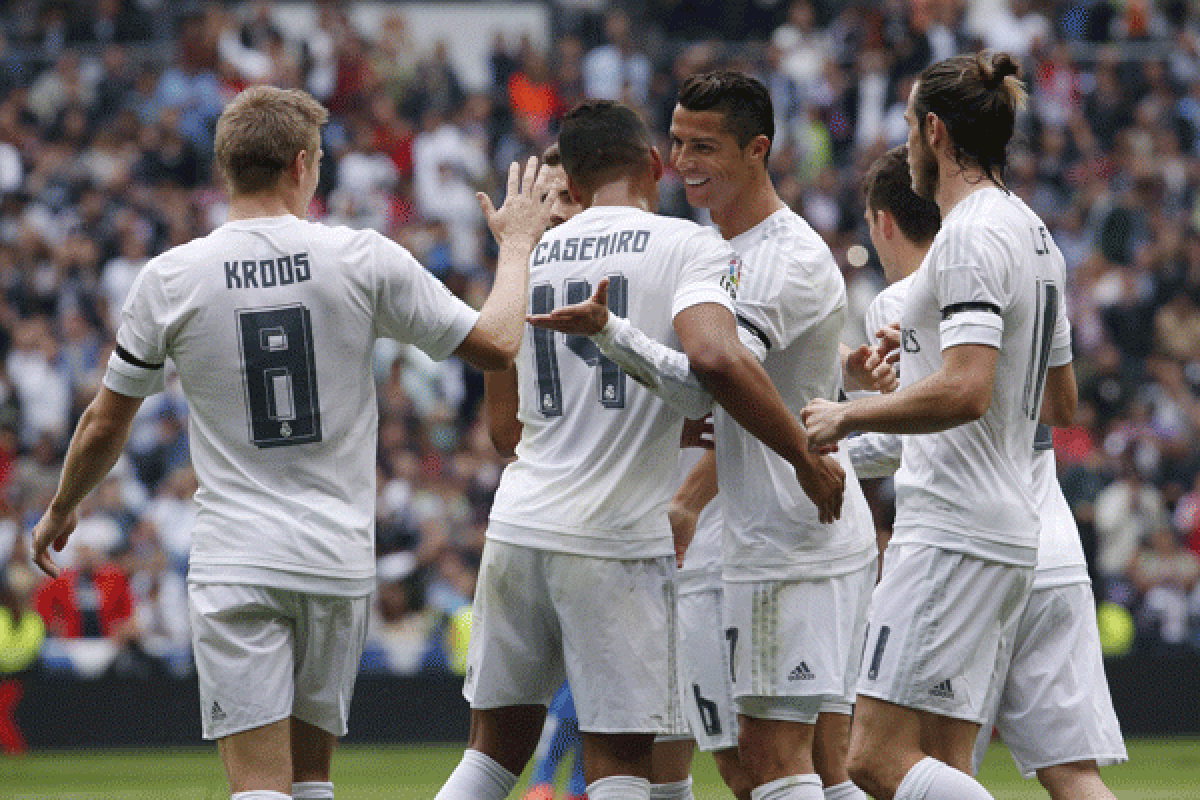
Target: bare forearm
{"points": [[937, 403], [743, 388], [95, 447], [502, 318], [500, 400], [699, 487]]}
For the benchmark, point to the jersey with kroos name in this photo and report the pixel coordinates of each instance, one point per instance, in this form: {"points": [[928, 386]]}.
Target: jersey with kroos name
{"points": [[791, 311], [1060, 558], [993, 277], [596, 462], [271, 323]]}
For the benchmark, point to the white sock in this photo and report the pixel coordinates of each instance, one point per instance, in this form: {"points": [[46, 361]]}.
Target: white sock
{"points": [[845, 791], [793, 787], [477, 777], [313, 790], [259, 794], [619, 787], [930, 779], [680, 790]]}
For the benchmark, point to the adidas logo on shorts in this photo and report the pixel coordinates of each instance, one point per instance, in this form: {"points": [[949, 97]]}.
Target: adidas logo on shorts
{"points": [[217, 713], [943, 690], [801, 673]]}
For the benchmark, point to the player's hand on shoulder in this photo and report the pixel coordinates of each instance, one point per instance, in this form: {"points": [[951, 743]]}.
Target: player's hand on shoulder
{"points": [[585, 319], [824, 481], [52, 530], [526, 210]]}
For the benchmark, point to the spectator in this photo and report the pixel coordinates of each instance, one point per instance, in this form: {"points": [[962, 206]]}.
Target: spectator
{"points": [[1165, 574], [617, 70], [22, 630], [1126, 511], [91, 599]]}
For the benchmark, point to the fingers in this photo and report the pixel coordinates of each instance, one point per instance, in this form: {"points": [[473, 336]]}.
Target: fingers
{"points": [[46, 564], [485, 203], [601, 295], [514, 180]]}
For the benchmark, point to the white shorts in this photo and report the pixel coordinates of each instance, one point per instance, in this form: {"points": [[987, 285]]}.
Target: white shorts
{"points": [[796, 645], [265, 654], [942, 630], [1055, 707], [704, 670], [605, 625]]}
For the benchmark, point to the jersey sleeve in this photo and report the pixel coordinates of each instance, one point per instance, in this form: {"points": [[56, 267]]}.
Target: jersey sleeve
{"points": [[414, 307], [662, 370], [135, 368], [1060, 345], [783, 305], [874, 455], [971, 285], [708, 272]]}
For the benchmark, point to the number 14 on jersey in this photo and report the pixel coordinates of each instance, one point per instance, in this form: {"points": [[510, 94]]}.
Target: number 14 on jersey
{"points": [[545, 351]]}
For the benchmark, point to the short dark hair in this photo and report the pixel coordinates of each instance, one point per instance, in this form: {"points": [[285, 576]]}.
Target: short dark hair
{"points": [[600, 140], [977, 97], [887, 186], [744, 100]]}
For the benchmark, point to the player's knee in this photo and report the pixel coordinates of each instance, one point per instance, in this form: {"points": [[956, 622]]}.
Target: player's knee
{"points": [[1079, 779], [734, 774], [861, 767]]}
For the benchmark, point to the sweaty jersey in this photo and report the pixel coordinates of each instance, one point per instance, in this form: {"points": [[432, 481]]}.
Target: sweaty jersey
{"points": [[596, 461], [791, 311], [271, 324], [994, 277], [1060, 558]]}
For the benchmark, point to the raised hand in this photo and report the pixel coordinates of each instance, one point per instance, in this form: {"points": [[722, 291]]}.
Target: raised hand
{"points": [[526, 210]]}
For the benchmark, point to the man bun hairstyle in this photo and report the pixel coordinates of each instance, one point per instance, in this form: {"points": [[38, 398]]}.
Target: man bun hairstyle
{"points": [[887, 186], [600, 140], [260, 133], [743, 99], [977, 97]]}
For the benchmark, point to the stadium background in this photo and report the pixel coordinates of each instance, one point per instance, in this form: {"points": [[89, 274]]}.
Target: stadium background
{"points": [[106, 115]]}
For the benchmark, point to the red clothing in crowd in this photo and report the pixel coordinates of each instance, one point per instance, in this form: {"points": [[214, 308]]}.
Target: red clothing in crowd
{"points": [[58, 604]]}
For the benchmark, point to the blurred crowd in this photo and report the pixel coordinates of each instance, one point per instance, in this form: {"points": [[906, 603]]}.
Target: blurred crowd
{"points": [[107, 111]]}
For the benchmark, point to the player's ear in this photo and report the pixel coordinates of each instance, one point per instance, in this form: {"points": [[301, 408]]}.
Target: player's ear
{"points": [[575, 191], [656, 163], [759, 147], [935, 130], [886, 223]]}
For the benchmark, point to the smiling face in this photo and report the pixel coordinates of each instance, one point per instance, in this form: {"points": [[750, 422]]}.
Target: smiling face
{"points": [[705, 152]]}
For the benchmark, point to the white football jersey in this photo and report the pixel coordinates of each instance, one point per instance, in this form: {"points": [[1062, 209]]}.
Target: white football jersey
{"points": [[596, 462], [271, 323], [791, 310], [887, 308], [993, 276], [703, 557], [1060, 557]]}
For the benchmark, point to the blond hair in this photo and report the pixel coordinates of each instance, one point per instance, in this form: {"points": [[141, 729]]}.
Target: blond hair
{"points": [[260, 133]]}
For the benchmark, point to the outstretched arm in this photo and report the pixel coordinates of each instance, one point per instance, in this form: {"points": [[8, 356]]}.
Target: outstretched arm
{"points": [[662, 370]]}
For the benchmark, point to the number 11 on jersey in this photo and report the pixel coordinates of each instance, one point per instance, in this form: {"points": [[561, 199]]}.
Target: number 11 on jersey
{"points": [[545, 354]]}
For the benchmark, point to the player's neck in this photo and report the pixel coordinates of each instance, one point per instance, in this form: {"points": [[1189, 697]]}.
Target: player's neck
{"points": [[262, 204], [907, 261], [622, 192], [754, 203], [956, 184]]}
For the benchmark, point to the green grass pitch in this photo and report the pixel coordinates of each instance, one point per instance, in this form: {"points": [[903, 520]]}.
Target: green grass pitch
{"points": [[1160, 769]]}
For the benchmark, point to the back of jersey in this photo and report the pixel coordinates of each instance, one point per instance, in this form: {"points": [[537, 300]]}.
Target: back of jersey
{"points": [[271, 324], [595, 465]]}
